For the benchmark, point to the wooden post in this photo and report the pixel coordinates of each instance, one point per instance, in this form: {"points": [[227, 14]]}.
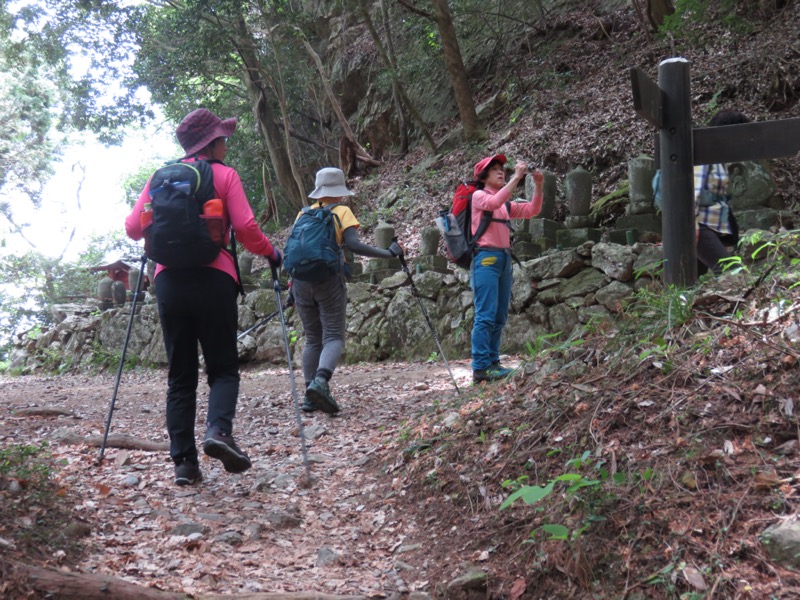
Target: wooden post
{"points": [[677, 174], [667, 107]]}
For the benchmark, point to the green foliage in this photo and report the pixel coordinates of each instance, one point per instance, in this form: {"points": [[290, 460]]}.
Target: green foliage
{"points": [[768, 253], [36, 517], [713, 105], [86, 48], [27, 464], [28, 113], [571, 485], [31, 284], [549, 343], [662, 309], [610, 201], [696, 12], [585, 489], [780, 250], [103, 358]]}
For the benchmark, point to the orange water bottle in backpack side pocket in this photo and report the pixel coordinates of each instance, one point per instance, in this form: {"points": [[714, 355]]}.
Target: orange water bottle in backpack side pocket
{"points": [[212, 213]]}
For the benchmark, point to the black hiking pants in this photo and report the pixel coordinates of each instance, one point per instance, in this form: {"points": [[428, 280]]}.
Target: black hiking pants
{"points": [[198, 306]]}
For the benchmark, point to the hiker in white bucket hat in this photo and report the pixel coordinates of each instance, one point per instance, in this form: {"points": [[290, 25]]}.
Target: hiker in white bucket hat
{"points": [[322, 304], [330, 183]]}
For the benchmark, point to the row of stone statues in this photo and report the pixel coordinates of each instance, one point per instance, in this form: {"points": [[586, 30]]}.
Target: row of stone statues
{"points": [[754, 202]]}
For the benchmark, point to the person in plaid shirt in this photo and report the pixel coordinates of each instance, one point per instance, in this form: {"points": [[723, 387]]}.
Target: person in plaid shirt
{"points": [[716, 225]]}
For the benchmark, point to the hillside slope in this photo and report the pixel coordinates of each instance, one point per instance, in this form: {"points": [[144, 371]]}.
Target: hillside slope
{"points": [[565, 100], [651, 459]]}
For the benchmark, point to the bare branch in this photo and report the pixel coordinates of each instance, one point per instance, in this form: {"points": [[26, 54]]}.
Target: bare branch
{"points": [[407, 5]]}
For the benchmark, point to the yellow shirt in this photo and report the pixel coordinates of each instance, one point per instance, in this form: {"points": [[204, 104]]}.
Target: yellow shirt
{"points": [[346, 218]]}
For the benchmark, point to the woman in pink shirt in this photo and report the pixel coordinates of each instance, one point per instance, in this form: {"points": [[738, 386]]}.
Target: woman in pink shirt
{"points": [[490, 273], [198, 305]]}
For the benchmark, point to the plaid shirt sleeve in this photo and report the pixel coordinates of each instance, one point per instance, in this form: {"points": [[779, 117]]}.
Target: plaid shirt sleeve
{"points": [[715, 179]]}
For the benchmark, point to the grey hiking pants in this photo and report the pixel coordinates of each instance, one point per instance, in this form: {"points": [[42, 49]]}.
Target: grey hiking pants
{"points": [[322, 308]]}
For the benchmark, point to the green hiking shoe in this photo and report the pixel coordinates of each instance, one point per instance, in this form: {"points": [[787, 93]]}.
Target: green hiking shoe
{"points": [[319, 395], [490, 374], [308, 405]]}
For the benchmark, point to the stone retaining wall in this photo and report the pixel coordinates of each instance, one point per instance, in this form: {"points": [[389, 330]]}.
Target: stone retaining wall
{"points": [[553, 293]]}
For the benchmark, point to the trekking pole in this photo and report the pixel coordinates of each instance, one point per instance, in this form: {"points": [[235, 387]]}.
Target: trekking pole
{"points": [[427, 318], [276, 284], [265, 320], [139, 284]]}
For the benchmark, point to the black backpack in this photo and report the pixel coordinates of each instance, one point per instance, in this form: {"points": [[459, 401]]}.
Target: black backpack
{"points": [[311, 252], [179, 235]]}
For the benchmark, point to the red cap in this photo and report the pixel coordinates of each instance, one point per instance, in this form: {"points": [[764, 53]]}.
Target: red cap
{"points": [[484, 163]]}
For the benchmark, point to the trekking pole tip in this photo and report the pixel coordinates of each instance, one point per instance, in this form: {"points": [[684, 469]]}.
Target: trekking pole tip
{"points": [[307, 481]]}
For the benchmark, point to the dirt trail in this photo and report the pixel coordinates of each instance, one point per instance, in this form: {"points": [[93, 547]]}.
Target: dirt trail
{"points": [[259, 531]]}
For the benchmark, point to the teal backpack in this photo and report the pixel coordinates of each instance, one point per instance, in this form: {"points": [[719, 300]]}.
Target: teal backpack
{"points": [[311, 252]]}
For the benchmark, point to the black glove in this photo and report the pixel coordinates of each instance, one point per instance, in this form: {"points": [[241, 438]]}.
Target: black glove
{"points": [[277, 260], [396, 250]]}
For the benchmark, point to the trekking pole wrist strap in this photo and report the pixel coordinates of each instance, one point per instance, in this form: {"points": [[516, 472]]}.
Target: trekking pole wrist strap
{"points": [[401, 257]]}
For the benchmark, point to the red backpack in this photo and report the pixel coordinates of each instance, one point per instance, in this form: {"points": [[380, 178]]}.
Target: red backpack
{"points": [[456, 225]]}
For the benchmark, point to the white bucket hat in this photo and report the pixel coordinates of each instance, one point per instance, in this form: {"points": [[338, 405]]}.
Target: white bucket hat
{"points": [[330, 184]]}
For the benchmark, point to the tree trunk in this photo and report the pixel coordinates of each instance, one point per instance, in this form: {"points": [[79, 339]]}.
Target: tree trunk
{"points": [[657, 10], [85, 586], [395, 80], [280, 93], [401, 113], [361, 153], [473, 130], [255, 77], [80, 586], [642, 18]]}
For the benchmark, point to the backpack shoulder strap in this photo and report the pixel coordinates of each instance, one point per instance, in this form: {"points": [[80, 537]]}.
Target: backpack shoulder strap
{"points": [[239, 285], [205, 180], [338, 221], [508, 222], [486, 219]]}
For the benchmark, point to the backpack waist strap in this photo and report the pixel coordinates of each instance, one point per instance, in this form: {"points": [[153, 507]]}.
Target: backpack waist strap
{"points": [[493, 249]]}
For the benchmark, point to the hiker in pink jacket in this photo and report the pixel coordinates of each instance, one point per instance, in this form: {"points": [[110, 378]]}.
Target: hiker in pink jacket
{"points": [[198, 305], [490, 273]]}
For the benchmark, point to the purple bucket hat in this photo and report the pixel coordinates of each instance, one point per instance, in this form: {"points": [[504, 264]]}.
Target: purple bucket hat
{"points": [[201, 127]]}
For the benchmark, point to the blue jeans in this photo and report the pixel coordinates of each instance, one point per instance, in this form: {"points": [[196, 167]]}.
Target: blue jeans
{"points": [[490, 277]]}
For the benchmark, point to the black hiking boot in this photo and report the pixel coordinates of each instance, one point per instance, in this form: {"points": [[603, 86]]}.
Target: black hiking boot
{"points": [[187, 472], [222, 447]]}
